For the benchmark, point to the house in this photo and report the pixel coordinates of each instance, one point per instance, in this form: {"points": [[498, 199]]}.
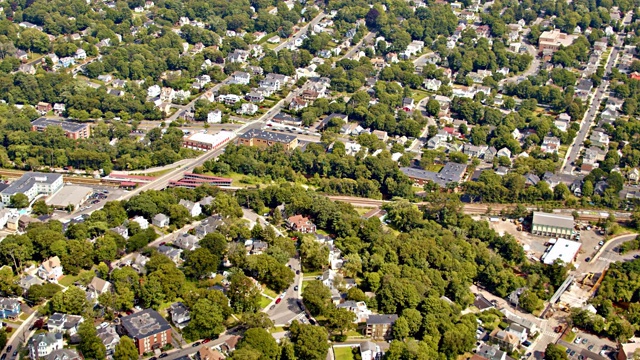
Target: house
{"points": [[584, 88], [43, 107], [274, 82], [229, 99], [482, 303], [207, 353], [379, 326], [193, 208], [148, 329], [408, 104], [27, 281], [519, 331], [171, 252], [633, 175], [247, 109], [167, 94], [109, 337], [550, 144], [505, 340], [50, 270], [121, 230], [238, 56], [370, 351], [59, 109], [359, 308], [160, 220], [240, 78], [144, 223], [599, 138], [258, 247], [301, 224], [432, 84], [98, 287], [609, 115], [43, 344], [254, 97], [23, 56], [512, 318], [153, 91], [10, 308], [487, 352], [297, 104], [214, 117], [381, 135], [64, 323], [180, 315], [186, 242], [561, 125], [27, 69], [65, 62], [504, 152], [208, 226], [64, 354], [80, 54]]}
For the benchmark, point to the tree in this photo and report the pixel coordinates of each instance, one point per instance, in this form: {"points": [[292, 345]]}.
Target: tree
{"points": [[73, 301], [316, 297], [339, 320], [529, 301], [554, 352], [19, 201], [260, 340], [313, 254], [433, 107], [257, 320], [90, 344], [400, 329], [243, 294], [126, 350], [3, 338], [200, 263], [41, 208], [206, 321], [310, 342]]}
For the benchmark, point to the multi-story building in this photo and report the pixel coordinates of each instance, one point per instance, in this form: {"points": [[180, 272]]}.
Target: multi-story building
{"points": [[32, 184], [43, 344], [148, 329], [51, 269], [379, 326], [264, 139], [553, 40], [9, 308], [72, 130]]}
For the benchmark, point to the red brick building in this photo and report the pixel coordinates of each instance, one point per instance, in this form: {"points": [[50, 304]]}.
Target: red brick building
{"points": [[148, 329]]}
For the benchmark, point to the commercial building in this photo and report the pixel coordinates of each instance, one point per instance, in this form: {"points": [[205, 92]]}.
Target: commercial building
{"points": [[72, 130], [148, 329], [563, 250], [264, 139], [552, 40], [33, 184], [628, 350], [379, 326], [548, 224], [206, 142], [192, 181], [70, 195], [450, 173]]}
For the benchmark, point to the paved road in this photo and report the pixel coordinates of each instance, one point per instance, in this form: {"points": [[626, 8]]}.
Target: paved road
{"points": [[288, 308], [590, 115], [303, 30], [533, 67], [357, 46]]}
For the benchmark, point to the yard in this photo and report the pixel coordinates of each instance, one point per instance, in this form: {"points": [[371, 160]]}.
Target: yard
{"points": [[343, 353], [269, 292], [264, 302]]}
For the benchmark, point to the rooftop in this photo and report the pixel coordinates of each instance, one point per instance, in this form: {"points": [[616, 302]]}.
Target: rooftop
{"points": [[268, 135], [564, 250], [555, 220], [381, 319], [65, 125], [26, 181], [144, 323], [451, 172]]}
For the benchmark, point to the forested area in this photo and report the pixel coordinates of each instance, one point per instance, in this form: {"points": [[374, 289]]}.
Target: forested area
{"points": [[617, 302]]}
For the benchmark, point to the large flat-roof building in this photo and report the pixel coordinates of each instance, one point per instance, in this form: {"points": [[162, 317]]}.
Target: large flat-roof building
{"points": [[563, 250], [552, 40], [548, 224], [72, 130], [148, 329], [450, 173], [264, 139], [70, 195], [191, 181], [33, 184], [206, 142]]}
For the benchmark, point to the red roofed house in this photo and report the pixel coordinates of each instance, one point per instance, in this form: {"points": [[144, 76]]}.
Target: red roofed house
{"points": [[301, 224], [635, 76]]}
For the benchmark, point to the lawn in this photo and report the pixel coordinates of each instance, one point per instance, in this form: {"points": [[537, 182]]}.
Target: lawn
{"points": [[69, 280], [264, 302], [343, 353], [277, 329], [269, 292], [418, 95]]}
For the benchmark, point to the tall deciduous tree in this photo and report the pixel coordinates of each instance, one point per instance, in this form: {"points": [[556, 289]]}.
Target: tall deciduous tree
{"points": [[126, 350]]}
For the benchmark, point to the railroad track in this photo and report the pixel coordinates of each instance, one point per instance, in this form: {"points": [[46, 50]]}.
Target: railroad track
{"points": [[14, 174]]}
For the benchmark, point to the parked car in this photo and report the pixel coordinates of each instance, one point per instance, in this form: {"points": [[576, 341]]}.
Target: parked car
{"points": [[278, 300], [577, 340], [163, 355], [197, 343], [295, 288]]}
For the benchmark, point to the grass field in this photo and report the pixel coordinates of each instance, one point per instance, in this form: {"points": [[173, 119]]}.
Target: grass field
{"points": [[264, 302], [269, 292], [343, 353]]}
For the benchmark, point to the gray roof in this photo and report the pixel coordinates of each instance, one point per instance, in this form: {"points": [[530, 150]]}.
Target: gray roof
{"points": [[268, 135], [64, 354], [451, 172], [27, 180], [160, 217], [367, 346], [48, 338], [144, 324], [490, 352], [382, 319], [556, 220], [65, 125], [8, 303]]}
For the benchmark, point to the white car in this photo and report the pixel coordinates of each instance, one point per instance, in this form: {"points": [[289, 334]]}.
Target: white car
{"points": [[577, 340]]}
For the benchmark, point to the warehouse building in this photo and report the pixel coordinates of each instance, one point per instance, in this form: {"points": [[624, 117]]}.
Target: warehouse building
{"points": [[206, 142], [548, 224], [563, 250], [70, 195]]}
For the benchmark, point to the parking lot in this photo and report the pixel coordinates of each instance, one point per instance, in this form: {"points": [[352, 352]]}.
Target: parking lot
{"points": [[93, 203], [588, 346]]}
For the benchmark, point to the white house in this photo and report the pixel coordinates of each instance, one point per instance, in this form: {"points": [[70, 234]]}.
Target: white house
{"points": [[154, 91], [80, 54], [432, 84], [214, 117], [43, 344], [370, 351], [240, 78], [144, 223], [50, 270], [193, 208], [504, 152], [248, 109], [359, 308], [160, 220]]}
